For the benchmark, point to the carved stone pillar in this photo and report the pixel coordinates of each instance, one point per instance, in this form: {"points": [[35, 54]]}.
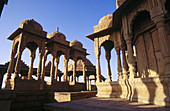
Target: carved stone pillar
{"points": [[43, 69], [164, 42], [74, 71], [90, 85], [65, 69], [39, 65], [30, 72], [108, 56], [11, 64], [52, 68], [131, 59], [119, 66], [98, 70], [84, 73], [125, 65], [56, 68], [18, 65]]}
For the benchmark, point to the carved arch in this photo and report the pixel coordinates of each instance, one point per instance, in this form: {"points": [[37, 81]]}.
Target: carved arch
{"points": [[81, 57], [31, 46], [38, 43], [15, 47], [137, 13], [108, 45], [59, 53]]}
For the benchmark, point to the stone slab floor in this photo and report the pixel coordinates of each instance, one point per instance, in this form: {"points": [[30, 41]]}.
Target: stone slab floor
{"points": [[103, 104]]}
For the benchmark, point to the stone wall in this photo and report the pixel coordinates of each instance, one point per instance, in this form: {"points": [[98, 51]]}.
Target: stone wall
{"points": [[30, 95], [20, 85], [22, 100], [5, 99], [147, 90], [28, 101]]}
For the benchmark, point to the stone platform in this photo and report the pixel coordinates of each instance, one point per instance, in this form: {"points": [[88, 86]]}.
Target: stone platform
{"points": [[103, 104]]}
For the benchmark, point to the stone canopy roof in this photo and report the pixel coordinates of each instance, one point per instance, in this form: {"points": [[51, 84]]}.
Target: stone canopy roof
{"points": [[79, 67], [89, 68]]}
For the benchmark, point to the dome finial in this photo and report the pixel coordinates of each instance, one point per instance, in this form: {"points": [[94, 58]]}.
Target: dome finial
{"points": [[57, 29]]}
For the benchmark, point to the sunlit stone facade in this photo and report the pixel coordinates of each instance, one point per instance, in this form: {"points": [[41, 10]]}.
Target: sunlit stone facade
{"points": [[139, 32]]}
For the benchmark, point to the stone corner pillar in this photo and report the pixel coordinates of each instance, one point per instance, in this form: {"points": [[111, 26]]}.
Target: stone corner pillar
{"points": [[18, 65], [125, 65], [98, 70], [84, 72], [11, 64], [56, 68], [43, 69], [52, 69], [40, 64], [65, 69], [74, 71], [97, 53], [131, 58]]}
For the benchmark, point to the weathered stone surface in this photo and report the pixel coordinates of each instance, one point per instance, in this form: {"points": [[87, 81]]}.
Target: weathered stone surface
{"points": [[139, 29]]}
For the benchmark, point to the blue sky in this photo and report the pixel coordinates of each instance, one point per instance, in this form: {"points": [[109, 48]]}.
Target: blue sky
{"points": [[75, 19]]}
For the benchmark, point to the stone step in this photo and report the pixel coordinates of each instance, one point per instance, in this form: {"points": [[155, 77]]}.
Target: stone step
{"points": [[69, 96]]}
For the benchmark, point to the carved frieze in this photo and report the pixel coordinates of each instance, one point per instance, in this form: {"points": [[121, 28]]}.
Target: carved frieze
{"points": [[104, 23]]}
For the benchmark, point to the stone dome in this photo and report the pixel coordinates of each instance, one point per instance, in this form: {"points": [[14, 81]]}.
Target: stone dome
{"points": [[105, 18], [79, 67], [76, 43], [31, 23], [57, 34]]}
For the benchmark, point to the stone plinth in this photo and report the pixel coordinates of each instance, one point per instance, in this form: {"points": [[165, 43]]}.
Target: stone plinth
{"points": [[57, 86], [20, 84], [146, 90], [78, 87], [69, 96]]}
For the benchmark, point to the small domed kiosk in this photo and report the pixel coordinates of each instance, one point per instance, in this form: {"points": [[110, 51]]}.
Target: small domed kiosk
{"points": [[30, 35]]}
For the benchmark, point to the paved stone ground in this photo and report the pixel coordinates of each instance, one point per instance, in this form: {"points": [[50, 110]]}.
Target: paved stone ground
{"points": [[103, 104]]}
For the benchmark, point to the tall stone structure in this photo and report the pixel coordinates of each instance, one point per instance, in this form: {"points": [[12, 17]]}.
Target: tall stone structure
{"points": [[139, 32]]}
